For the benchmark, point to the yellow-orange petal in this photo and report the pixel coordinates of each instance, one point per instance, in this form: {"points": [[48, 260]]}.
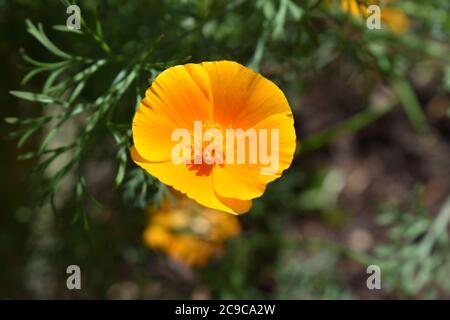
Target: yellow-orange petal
{"points": [[177, 97], [246, 181], [197, 187], [242, 97], [395, 19], [354, 8]]}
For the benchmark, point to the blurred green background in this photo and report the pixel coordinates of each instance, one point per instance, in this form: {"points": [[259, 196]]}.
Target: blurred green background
{"points": [[369, 184]]}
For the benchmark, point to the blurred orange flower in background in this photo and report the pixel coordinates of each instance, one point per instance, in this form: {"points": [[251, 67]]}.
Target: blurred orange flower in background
{"points": [[188, 232], [393, 17], [222, 95]]}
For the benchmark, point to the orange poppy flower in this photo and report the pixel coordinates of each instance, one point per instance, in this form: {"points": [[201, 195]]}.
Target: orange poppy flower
{"points": [[208, 106], [188, 232], [393, 17]]}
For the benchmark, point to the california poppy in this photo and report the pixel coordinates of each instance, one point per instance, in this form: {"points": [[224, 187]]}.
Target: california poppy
{"points": [[188, 232], [216, 97], [393, 17]]}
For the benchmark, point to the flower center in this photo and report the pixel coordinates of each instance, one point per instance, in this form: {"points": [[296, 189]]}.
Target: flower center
{"points": [[208, 148]]}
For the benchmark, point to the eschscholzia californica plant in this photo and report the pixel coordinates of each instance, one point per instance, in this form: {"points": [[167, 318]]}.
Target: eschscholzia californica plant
{"points": [[188, 232], [393, 17], [215, 131]]}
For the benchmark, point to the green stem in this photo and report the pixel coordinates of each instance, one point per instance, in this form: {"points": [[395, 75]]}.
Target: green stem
{"points": [[346, 127], [436, 230], [410, 104]]}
